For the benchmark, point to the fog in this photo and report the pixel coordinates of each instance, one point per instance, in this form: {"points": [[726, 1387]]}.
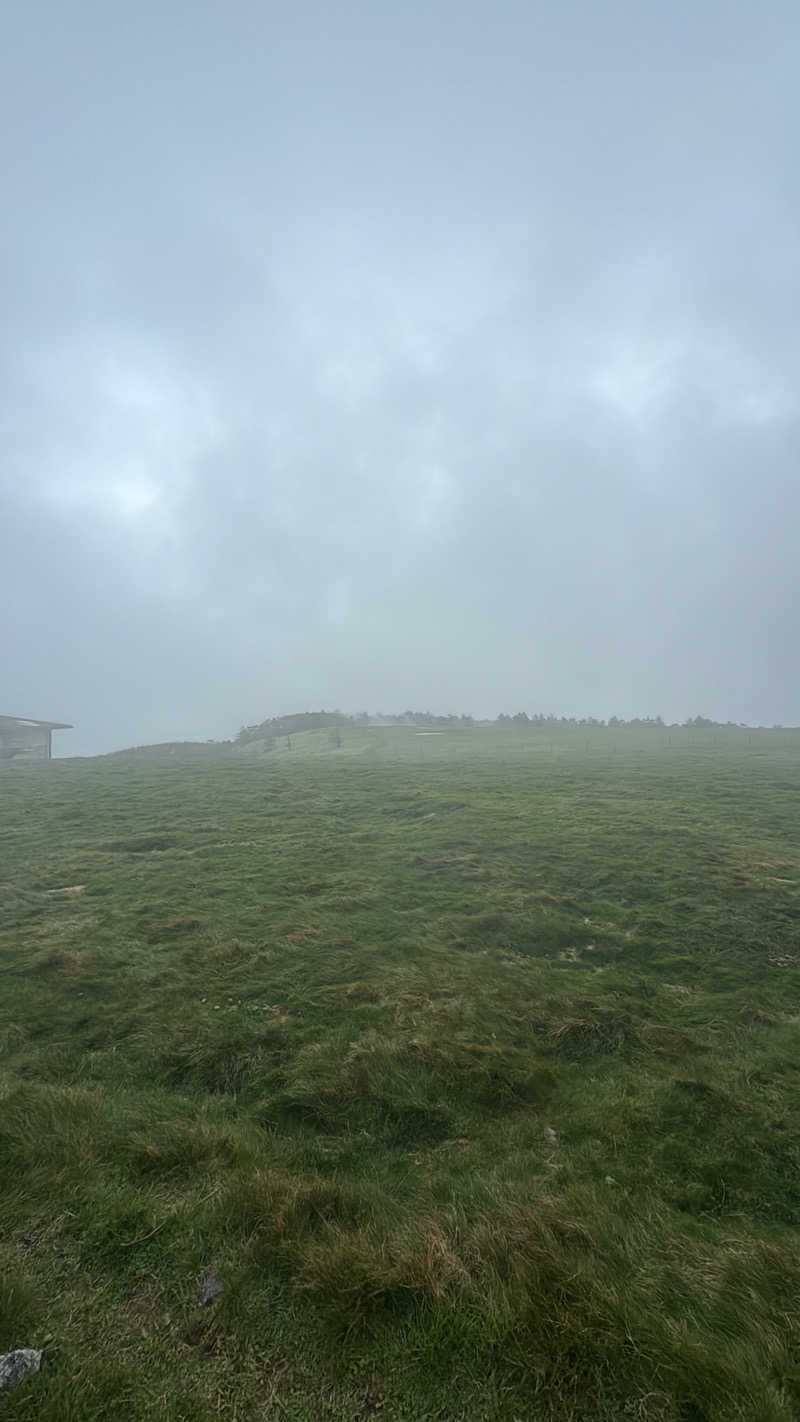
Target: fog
{"points": [[367, 356]]}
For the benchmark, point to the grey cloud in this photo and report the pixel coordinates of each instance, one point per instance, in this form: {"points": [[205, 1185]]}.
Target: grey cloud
{"points": [[372, 357]]}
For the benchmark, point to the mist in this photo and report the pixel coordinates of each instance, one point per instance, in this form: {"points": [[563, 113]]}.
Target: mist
{"points": [[366, 358]]}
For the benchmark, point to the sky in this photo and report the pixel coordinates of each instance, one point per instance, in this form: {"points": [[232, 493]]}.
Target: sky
{"points": [[362, 355]]}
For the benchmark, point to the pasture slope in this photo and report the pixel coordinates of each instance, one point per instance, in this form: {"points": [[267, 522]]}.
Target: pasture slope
{"points": [[469, 1064]]}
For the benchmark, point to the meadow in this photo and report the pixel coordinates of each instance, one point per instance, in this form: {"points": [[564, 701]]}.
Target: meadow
{"points": [[469, 1063]]}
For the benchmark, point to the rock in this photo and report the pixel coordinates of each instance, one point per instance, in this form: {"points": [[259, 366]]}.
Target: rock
{"points": [[17, 1365], [210, 1289], [610, 1180], [551, 1135]]}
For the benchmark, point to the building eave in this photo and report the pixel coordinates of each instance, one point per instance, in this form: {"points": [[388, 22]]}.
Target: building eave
{"points": [[8, 721]]}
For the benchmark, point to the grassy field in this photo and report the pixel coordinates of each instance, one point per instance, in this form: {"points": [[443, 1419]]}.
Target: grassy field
{"points": [[469, 1063]]}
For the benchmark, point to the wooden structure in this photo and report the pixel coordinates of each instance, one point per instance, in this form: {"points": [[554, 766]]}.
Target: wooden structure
{"points": [[21, 739]]}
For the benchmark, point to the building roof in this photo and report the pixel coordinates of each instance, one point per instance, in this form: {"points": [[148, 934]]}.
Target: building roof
{"points": [[6, 722]]}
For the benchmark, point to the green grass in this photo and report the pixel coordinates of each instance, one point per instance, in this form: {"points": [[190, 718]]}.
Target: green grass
{"points": [[469, 1062]]}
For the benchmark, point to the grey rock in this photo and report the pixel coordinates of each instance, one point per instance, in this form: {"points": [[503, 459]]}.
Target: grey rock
{"points": [[17, 1365], [210, 1289], [551, 1135]]}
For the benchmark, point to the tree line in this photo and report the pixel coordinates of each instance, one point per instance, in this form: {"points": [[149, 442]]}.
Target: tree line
{"points": [[334, 721]]}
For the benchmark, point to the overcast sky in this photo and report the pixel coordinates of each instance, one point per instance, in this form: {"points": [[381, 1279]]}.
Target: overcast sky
{"points": [[372, 355]]}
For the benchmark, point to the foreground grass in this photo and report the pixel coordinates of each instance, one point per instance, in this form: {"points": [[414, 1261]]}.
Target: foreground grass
{"points": [[471, 1066]]}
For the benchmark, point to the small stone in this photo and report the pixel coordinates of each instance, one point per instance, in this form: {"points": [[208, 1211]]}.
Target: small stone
{"points": [[551, 1135], [17, 1365], [210, 1289], [610, 1180]]}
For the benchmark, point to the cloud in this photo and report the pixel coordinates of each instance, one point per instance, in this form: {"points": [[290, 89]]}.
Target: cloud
{"points": [[377, 357]]}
